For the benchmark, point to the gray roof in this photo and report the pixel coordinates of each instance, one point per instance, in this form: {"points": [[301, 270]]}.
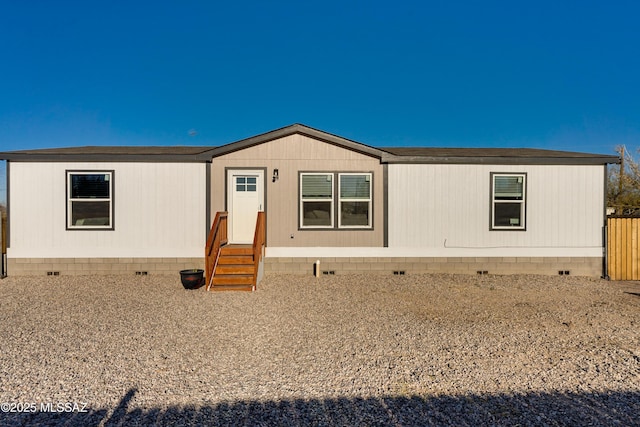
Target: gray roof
{"points": [[483, 152], [386, 155], [120, 150], [112, 153], [494, 156]]}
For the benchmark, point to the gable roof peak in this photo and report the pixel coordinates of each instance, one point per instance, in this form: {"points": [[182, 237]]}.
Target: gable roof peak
{"points": [[298, 128]]}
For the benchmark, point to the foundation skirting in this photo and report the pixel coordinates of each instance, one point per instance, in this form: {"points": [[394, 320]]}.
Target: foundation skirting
{"points": [[101, 266], [587, 266]]}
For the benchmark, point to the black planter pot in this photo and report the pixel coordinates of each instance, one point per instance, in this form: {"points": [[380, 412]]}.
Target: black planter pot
{"points": [[192, 278]]}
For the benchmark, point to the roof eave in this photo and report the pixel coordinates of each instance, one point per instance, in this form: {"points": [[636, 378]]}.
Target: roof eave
{"points": [[494, 160], [132, 158]]}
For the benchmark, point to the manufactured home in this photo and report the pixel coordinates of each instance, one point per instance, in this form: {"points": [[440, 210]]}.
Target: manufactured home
{"points": [[331, 205]]}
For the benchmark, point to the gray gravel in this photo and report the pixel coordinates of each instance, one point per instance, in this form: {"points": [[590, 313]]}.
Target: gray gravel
{"points": [[341, 350]]}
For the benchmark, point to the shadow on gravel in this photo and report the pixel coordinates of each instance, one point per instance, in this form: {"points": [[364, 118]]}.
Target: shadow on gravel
{"points": [[558, 409]]}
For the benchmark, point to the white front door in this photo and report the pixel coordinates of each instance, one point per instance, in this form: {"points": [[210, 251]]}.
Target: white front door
{"points": [[245, 198]]}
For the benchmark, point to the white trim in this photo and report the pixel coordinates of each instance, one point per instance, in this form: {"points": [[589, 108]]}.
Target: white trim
{"points": [[346, 199], [71, 200], [408, 252], [303, 200], [523, 202], [106, 252]]}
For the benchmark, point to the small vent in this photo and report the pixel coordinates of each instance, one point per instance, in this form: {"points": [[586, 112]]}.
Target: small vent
{"points": [[564, 272], [141, 273], [328, 272], [398, 273], [53, 273], [482, 272]]}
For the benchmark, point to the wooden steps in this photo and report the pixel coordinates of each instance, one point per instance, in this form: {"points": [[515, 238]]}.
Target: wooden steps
{"points": [[234, 267], [235, 270]]}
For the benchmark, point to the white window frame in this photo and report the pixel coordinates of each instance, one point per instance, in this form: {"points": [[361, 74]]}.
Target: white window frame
{"points": [[523, 203], [348, 199], [331, 200], [70, 200]]}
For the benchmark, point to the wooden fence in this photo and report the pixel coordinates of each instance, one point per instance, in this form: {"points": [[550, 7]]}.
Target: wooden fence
{"points": [[623, 252]]}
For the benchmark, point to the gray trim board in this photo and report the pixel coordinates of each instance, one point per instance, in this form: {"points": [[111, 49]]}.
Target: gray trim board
{"points": [[8, 236], [385, 205], [207, 198]]}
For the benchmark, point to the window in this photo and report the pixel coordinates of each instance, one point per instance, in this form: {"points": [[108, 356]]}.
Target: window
{"points": [[508, 201], [355, 200], [90, 200], [316, 200], [246, 183], [330, 198]]}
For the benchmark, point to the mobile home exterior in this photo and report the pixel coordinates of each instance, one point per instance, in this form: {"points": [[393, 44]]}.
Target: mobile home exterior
{"points": [[154, 212], [350, 206]]}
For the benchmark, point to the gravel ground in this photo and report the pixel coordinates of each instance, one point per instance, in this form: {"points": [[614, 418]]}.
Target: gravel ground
{"points": [[338, 350]]}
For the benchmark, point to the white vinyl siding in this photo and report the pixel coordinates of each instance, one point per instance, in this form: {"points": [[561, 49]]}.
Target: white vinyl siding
{"points": [[447, 208], [159, 211]]}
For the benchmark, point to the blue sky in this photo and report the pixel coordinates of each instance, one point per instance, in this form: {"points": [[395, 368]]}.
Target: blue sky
{"points": [[547, 74]]}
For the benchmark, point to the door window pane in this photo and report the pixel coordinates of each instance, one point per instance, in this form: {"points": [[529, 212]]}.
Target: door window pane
{"points": [[246, 183]]}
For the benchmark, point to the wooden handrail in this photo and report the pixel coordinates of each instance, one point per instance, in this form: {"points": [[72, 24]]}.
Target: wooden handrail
{"points": [[259, 240], [217, 237]]}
